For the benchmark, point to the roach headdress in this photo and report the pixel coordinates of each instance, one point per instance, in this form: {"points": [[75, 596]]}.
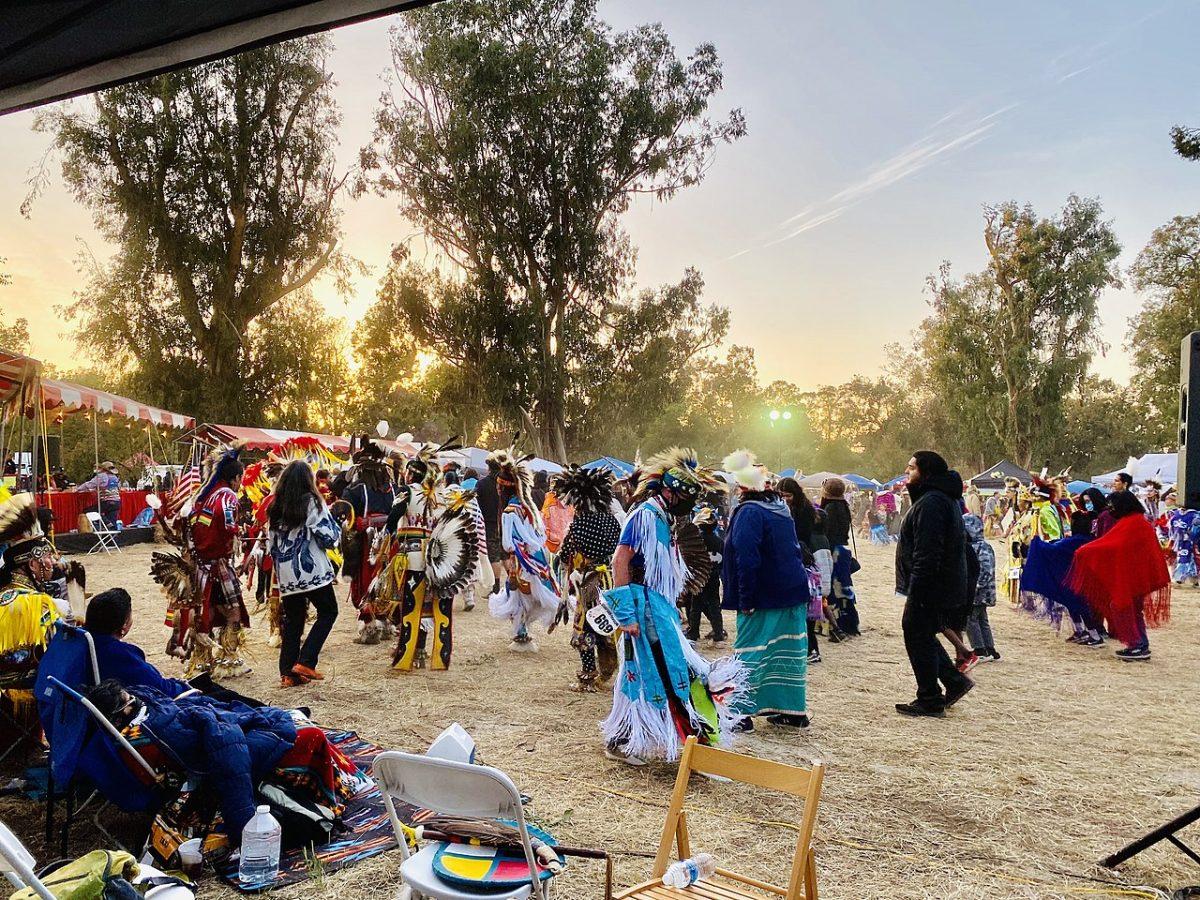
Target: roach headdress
{"points": [[513, 474], [588, 490], [221, 463], [679, 470], [19, 529]]}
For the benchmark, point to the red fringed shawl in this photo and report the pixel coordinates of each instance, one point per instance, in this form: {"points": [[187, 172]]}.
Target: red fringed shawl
{"points": [[1116, 571]]}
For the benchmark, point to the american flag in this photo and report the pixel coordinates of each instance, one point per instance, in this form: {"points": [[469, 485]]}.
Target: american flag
{"points": [[189, 483]]}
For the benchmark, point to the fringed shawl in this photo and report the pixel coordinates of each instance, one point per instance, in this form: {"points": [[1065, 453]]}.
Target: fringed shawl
{"points": [[1117, 570], [1044, 590]]}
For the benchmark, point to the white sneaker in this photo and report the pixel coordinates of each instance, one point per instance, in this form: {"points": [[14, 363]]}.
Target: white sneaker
{"points": [[621, 756]]}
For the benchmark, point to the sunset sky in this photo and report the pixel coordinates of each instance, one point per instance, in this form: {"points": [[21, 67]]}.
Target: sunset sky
{"points": [[877, 131]]}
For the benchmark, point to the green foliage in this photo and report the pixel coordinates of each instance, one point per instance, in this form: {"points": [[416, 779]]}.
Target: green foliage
{"points": [[1004, 346], [14, 335], [1186, 141], [515, 135], [1168, 270], [217, 184]]}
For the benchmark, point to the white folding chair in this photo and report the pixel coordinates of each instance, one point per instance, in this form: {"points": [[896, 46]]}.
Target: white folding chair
{"points": [[17, 864], [456, 789], [106, 537]]}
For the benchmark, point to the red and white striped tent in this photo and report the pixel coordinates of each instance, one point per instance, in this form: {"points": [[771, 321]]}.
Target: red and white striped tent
{"points": [[20, 374], [274, 438], [65, 395]]}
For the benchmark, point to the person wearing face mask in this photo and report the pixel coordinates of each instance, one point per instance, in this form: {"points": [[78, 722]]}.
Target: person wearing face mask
{"points": [[664, 690]]}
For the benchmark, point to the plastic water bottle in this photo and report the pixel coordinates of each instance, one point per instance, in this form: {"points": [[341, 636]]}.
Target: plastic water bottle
{"points": [[261, 841], [689, 871]]}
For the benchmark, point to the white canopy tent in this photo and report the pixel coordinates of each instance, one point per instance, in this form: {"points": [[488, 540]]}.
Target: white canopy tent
{"points": [[1162, 467]]}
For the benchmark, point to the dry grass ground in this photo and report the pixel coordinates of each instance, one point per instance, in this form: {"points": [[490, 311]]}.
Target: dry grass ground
{"points": [[1059, 756]]}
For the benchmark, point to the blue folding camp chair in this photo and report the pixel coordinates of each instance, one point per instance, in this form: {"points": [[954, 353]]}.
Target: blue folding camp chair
{"points": [[85, 748], [71, 658]]}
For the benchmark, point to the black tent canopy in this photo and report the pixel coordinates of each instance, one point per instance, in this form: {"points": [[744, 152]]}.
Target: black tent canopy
{"points": [[54, 49], [993, 477]]}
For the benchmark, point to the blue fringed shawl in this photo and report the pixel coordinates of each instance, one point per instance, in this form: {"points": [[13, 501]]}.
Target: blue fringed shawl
{"points": [[1044, 591]]}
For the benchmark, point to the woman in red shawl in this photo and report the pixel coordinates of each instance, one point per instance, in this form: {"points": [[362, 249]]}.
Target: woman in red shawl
{"points": [[1123, 576]]}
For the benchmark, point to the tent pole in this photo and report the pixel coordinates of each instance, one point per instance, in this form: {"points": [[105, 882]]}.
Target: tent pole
{"points": [[96, 462]]}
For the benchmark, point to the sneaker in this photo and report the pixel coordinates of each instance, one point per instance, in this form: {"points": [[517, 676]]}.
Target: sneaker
{"points": [[744, 725], [784, 720], [982, 656], [1093, 642], [1134, 654], [814, 657], [618, 755], [916, 709], [953, 696], [1079, 637], [994, 653], [306, 672], [968, 664]]}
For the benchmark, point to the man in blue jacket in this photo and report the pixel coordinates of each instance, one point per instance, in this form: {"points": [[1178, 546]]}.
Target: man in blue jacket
{"points": [[765, 581]]}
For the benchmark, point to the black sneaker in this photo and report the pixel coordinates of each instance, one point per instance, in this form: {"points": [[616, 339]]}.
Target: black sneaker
{"points": [[1134, 654], [743, 725], [994, 653], [814, 657], [1093, 642], [955, 694], [787, 721], [916, 709]]}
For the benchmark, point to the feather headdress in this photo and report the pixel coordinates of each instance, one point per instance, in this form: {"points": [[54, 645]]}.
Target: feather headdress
{"points": [[18, 519], [218, 462], [588, 490], [513, 473], [746, 472], [677, 469]]}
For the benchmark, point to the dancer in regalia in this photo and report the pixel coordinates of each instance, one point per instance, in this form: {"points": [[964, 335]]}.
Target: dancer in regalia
{"points": [[420, 603], [531, 592], [665, 690], [586, 554], [1123, 576], [205, 609], [27, 610], [1183, 528], [362, 509]]}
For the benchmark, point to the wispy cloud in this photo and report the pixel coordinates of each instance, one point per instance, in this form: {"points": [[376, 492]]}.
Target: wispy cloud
{"points": [[952, 133]]}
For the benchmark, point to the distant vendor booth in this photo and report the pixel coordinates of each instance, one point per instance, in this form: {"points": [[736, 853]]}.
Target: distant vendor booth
{"points": [[32, 402]]}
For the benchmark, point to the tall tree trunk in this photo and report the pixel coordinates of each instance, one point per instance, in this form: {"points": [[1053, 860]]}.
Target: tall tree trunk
{"points": [[223, 399]]}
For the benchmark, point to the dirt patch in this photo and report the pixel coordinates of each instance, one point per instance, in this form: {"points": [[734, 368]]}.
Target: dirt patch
{"points": [[1060, 755]]}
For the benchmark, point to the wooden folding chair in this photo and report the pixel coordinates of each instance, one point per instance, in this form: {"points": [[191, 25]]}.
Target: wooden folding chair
{"points": [[771, 776]]}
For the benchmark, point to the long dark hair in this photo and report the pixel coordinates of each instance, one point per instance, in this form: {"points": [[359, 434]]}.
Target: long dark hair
{"points": [[296, 485], [802, 508], [1124, 503]]}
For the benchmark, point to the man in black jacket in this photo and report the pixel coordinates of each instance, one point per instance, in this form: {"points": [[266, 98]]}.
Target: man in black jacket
{"points": [[932, 573]]}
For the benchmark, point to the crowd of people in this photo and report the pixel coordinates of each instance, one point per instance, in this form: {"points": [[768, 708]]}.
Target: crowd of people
{"points": [[632, 568]]}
